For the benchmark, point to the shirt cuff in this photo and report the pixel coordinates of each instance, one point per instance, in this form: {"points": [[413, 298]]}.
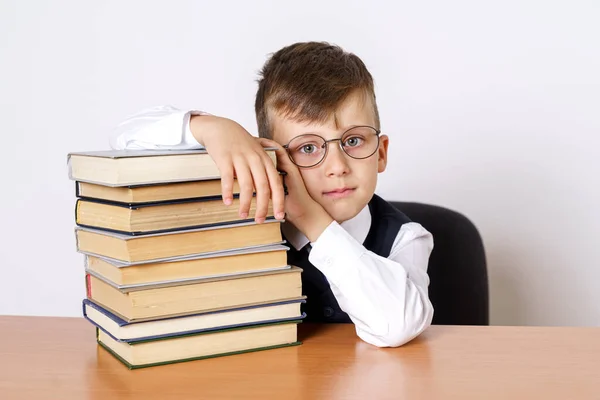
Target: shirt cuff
{"points": [[334, 252]]}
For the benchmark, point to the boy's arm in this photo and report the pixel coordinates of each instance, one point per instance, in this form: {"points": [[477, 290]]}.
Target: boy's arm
{"points": [[236, 153], [162, 127], [386, 298]]}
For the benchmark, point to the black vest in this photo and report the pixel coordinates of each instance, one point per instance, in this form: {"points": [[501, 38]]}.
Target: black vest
{"points": [[321, 305]]}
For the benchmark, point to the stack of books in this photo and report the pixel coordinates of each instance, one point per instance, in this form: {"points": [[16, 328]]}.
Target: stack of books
{"points": [[172, 274]]}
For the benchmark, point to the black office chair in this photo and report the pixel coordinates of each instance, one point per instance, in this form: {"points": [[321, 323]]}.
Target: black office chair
{"points": [[457, 267]]}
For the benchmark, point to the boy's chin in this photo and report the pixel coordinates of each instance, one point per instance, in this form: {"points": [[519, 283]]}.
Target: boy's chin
{"points": [[344, 212]]}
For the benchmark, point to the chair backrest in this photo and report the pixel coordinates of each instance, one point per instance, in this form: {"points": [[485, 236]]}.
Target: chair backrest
{"points": [[457, 267]]}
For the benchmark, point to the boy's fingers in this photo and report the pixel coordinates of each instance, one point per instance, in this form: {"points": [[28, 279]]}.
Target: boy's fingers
{"points": [[275, 180], [283, 159], [277, 193], [244, 177], [261, 185], [226, 171], [279, 150], [264, 142]]}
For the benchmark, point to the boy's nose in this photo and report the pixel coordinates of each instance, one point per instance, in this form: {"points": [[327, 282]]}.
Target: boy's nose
{"points": [[336, 161]]}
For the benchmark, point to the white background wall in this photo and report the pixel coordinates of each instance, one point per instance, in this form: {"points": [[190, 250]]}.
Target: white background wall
{"points": [[493, 109]]}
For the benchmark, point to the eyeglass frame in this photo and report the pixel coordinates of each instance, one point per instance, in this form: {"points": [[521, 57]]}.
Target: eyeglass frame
{"points": [[326, 145]]}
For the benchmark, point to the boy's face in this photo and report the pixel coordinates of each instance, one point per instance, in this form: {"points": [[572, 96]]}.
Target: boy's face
{"points": [[342, 185]]}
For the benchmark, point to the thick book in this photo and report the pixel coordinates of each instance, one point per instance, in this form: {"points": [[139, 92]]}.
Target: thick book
{"points": [[126, 331], [153, 193], [156, 247], [204, 266], [142, 167], [161, 216], [202, 345], [208, 295]]}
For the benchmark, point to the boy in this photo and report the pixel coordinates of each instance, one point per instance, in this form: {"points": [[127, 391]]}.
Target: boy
{"points": [[364, 261]]}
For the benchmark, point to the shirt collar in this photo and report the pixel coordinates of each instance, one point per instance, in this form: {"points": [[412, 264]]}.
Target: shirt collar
{"points": [[358, 227]]}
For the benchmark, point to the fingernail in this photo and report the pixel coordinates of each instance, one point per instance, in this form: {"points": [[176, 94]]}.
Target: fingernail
{"points": [[244, 215], [260, 220], [228, 202], [280, 215]]}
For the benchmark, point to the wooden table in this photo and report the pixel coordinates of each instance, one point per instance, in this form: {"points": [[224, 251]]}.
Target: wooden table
{"points": [[57, 358]]}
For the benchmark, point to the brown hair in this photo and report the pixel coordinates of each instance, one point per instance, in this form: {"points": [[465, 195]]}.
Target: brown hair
{"points": [[308, 81]]}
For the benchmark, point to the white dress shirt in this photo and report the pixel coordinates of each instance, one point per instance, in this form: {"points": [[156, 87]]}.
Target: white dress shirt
{"points": [[386, 298]]}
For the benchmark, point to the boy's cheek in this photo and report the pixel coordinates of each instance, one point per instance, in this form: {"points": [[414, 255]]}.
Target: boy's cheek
{"points": [[313, 191], [313, 186], [309, 181]]}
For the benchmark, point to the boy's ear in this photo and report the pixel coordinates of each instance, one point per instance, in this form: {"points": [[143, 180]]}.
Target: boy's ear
{"points": [[384, 141]]}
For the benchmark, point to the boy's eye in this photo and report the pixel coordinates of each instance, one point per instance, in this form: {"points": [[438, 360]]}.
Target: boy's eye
{"points": [[353, 141], [308, 148]]}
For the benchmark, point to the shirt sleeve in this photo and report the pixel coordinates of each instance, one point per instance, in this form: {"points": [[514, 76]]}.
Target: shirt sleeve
{"points": [[386, 298], [162, 127]]}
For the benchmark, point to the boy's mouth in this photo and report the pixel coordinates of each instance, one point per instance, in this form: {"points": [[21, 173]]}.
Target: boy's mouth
{"points": [[339, 193]]}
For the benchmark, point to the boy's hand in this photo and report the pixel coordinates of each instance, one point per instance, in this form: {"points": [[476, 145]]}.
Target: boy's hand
{"points": [[301, 209], [236, 152]]}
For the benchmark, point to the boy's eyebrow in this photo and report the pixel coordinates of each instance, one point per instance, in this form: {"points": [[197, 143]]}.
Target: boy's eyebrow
{"points": [[346, 128]]}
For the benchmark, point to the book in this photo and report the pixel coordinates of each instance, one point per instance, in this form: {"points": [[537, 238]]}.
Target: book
{"points": [[156, 247], [189, 281], [153, 193], [214, 265], [142, 167], [208, 295], [159, 217], [202, 345], [127, 331]]}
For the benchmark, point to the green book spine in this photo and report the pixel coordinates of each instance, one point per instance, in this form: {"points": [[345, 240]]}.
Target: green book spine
{"points": [[131, 366]]}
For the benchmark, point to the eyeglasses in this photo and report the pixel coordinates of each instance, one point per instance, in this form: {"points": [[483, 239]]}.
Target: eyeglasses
{"points": [[309, 150]]}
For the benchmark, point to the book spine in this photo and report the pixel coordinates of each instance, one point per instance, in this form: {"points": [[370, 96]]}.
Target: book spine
{"points": [[224, 224], [77, 211], [137, 205], [88, 286]]}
